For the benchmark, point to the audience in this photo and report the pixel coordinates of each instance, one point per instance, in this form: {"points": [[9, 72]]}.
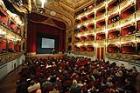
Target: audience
{"points": [[75, 75]]}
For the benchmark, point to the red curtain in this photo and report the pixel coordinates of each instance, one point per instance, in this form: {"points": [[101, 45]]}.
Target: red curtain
{"points": [[90, 48], [4, 19], [127, 49], [138, 4], [11, 45], [2, 45], [102, 53], [13, 26], [82, 48], [17, 48], [138, 25], [98, 53]]}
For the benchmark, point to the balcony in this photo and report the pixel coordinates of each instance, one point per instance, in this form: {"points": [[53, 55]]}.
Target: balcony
{"points": [[113, 10], [85, 23], [114, 41], [113, 34], [128, 20], [138, 26], [128, 48], [101, 23], [100, 42], [100, 36], [100, 29], [113, 48], [89, 42], [7, 30], [113, 55], [100, 5], [7, 57], [100, 13], [125, 3], [108, 1], [128, 38], [138, 15], [113, 25], [100, 17]]}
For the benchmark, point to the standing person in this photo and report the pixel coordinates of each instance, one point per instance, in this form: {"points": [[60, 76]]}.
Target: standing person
{"points": [[75, 88]]}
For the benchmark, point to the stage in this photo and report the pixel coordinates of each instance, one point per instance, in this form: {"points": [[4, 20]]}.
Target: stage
{"points": [[55, 56]]}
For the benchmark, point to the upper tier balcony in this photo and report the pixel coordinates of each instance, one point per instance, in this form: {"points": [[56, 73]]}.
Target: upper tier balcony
{"points": [[138, 25], [128, 15], [99, 4], [100, 29], [101, 23], [113, 6], [128, 48], [100, 13], [113, 25], [102, 16], [126, 3], [113, 10], [128, 38], [113, 34], [128, 20], [114, 41], [128, 30], [113, 21], [112, 48], [138, 14], [100, 36]]}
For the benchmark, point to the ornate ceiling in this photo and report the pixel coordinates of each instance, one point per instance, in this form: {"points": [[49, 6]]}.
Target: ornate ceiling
{"points": [[63, 10], [75, 3]]}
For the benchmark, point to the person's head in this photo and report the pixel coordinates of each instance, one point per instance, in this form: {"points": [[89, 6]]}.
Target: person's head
{"points": [[32, 82], [74, 82]]}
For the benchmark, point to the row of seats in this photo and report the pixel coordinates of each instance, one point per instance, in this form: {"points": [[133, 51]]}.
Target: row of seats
{"points": [[75, 75]]}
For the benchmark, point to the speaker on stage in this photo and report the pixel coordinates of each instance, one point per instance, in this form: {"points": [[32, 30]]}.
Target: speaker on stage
{"points": [[53, 51]]}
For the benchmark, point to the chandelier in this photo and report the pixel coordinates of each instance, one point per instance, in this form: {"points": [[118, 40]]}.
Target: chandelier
{"points": [[44, 2]]}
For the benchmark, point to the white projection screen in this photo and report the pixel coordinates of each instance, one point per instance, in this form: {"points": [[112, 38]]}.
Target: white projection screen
{"points": [[48, 43]]}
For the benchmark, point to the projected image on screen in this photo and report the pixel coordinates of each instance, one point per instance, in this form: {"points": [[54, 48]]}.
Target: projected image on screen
{"points": [[48, 43]]}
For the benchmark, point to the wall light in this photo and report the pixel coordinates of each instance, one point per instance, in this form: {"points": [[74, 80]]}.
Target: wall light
{"points": [[78, 26]]}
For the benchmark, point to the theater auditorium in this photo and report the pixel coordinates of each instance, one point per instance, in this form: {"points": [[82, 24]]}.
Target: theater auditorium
{"points": [[69, 46]]}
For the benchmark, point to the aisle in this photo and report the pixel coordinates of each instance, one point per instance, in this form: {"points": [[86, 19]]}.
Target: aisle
{"points": [[8, 84]]}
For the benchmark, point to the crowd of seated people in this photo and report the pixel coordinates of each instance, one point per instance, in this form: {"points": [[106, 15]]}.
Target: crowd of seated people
{"points": [[75, 75]]}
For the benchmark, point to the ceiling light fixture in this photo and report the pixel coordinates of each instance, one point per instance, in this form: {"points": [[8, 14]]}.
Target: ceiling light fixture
{"points": [[43, 3]]}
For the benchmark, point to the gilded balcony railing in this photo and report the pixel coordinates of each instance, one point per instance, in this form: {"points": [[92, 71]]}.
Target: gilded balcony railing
{"points": [[100, 5], [113, 55], [7, 57], [100, 42], [113, 25], [109, 1], [114, 41], [100, 16], [128, 38], [138, 15], [100, 29], [124, 3], [87, 22]]}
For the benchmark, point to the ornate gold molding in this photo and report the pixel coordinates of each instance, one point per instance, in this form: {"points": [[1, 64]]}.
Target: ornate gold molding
{"points": [[47, 23]]}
